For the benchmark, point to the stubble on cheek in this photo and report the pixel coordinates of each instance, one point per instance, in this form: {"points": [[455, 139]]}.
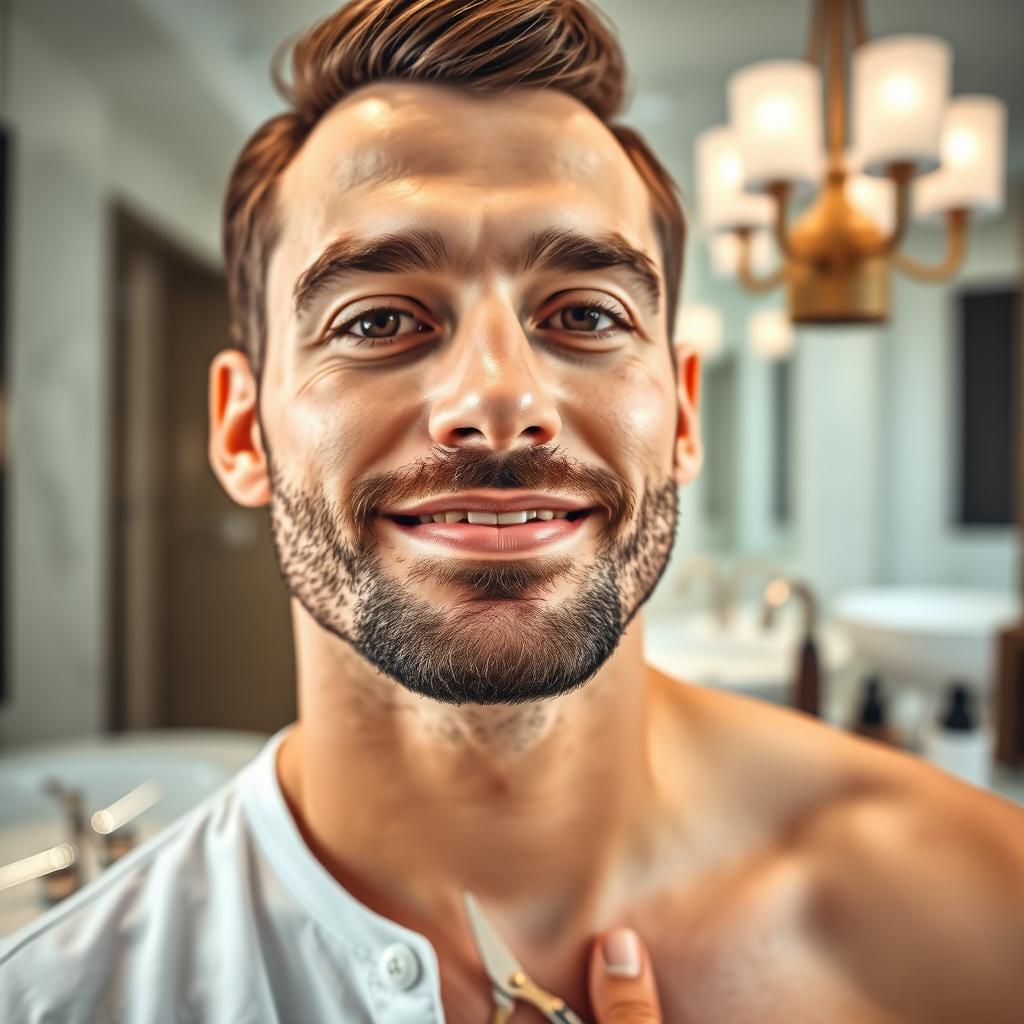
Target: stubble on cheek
{"points": [[315, 562]]}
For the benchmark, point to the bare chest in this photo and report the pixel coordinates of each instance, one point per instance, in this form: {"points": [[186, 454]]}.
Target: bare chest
{"points": [[747, 945], [734, 947]]}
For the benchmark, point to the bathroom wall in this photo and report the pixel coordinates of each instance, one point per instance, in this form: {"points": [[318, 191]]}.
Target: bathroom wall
{"points": [[71, 158], [920, 542]]}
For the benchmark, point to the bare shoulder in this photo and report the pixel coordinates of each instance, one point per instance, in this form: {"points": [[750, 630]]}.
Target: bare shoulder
{"points": [[919, 893], [916, 879], [845, 796]]}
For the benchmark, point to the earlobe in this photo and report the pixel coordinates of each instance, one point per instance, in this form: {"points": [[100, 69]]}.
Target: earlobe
{"points": [[236, 450], [689, 447]]}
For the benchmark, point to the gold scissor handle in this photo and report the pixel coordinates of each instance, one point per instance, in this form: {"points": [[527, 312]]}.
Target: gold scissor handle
{"points": [[502, 1013], [553, 1008]]}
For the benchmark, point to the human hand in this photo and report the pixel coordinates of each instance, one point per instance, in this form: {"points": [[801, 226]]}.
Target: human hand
{"points": [[622, 988]]}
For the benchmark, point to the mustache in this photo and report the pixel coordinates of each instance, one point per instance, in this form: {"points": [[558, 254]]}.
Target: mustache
{"points": [[449, 470]]}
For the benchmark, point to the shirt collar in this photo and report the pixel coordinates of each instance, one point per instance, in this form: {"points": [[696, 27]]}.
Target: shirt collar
{"points": [[355, 925]]}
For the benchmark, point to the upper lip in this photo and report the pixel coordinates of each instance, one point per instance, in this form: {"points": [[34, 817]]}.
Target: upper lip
{"points": [[478, 501]]}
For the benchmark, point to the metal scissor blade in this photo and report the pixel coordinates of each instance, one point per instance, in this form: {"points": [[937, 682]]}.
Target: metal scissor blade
{"points": [[499, 961]]}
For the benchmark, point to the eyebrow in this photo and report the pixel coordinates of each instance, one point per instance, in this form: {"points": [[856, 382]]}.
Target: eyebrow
{"points": [[424, 250]]}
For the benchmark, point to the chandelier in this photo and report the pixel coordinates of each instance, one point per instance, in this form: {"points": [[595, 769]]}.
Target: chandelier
{"points": [[911, 146]]}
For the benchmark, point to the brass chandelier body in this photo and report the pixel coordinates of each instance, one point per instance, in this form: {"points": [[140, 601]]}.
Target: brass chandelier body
{"points": [[835, 260]]}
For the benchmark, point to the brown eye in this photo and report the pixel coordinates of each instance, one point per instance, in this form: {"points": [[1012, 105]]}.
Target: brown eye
{"points": [[379, 326], [581, 318], [379, 323], [592, 319]]}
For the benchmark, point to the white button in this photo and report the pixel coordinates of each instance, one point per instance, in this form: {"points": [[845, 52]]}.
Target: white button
{"points": [[399, 966]]}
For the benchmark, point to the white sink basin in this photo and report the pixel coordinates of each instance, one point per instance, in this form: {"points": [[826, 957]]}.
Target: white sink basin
{"points": [[741, 656], [928, 635], [185, 765]]}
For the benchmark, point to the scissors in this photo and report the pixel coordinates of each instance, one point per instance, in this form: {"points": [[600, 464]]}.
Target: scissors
{"points": [[509, 982]]}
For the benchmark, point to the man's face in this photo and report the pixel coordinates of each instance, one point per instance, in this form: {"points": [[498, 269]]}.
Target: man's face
{"points": [[435, 331]]}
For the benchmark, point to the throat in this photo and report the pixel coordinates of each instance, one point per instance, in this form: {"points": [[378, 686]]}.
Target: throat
{"points": [[496, 735]]}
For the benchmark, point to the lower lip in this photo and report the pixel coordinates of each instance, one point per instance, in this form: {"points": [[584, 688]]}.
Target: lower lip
{"points": [[520, 538]]}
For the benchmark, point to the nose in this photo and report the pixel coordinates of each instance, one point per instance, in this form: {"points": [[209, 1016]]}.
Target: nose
{"points": [[492, 393]]}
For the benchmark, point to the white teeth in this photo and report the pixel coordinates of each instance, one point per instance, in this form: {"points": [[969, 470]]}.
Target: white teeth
{"points": [[493, 518]]}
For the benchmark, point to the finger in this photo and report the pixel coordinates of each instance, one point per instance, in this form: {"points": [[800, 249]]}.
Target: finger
{"points": [[622, 986]]}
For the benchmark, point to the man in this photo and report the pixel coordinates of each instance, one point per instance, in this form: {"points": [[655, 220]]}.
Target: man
{"points": [[453, 386]]}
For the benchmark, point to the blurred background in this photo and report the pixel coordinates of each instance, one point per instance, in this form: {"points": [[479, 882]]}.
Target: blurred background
{"points": [[852, 546]]}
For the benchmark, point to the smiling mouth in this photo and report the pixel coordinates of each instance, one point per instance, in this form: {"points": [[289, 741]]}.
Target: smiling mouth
{"points": [[510, 519], [477, 533]]}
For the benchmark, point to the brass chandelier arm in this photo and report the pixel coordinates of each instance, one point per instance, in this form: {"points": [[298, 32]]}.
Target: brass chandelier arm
{"points": [[835, 83], [956, 236], [780, 192], [860, 24], [746, 276], [900, 175], [816, 36]]}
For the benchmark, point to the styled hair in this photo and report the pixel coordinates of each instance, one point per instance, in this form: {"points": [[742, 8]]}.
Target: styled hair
{"points": [[484, 46]]}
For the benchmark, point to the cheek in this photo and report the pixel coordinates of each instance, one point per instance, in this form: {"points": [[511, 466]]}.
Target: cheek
{"points": [[635, 410], [348, 425], [324, 429]]}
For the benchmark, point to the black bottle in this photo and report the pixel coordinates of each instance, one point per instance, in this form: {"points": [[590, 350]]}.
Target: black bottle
{"points": [[872, 718]]}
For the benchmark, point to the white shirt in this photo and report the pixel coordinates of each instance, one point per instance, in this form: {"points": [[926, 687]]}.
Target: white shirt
{"points": [[224, 917]]}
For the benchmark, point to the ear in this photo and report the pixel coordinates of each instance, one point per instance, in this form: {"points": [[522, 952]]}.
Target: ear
{"points": [[689, 455], [236, 445]]}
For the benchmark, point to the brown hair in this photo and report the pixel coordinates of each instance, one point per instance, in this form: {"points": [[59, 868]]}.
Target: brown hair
{"points": [[485, 46]]}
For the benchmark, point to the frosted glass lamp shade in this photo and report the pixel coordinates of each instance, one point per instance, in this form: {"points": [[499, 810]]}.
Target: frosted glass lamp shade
{"points": [[973, 172], [701, 327], [775, 107], [771, 333], [900, 89], [723, 203], [725, 253]]}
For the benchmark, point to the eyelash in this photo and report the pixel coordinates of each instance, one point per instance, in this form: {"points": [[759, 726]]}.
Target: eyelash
{"points": [[342, 329]]}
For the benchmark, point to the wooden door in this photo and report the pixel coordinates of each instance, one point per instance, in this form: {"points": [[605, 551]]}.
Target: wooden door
{"points": [[202, 632]]}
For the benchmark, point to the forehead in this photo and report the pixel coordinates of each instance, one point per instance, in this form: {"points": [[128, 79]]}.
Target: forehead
{"points": [[476, 168]]}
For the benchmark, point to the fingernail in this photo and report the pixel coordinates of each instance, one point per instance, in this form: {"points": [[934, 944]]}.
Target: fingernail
{"points": [[621, 951]]}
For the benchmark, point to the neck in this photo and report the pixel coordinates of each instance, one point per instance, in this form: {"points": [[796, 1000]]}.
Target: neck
{"points": [[538, 809]]}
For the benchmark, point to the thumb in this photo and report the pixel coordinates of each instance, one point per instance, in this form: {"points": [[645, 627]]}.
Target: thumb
{"points": [[622, 986]]}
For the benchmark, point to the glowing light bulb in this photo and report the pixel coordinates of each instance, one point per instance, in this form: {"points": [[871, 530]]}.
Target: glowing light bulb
{"points": [[959, 147], [900, 93], [730, 168], [776, 114]]}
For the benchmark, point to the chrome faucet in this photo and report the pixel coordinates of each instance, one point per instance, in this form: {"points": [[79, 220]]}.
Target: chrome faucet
{"points": [[67, 878], [806, 692], [60, 867], [71, 802], [778, 592]]}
